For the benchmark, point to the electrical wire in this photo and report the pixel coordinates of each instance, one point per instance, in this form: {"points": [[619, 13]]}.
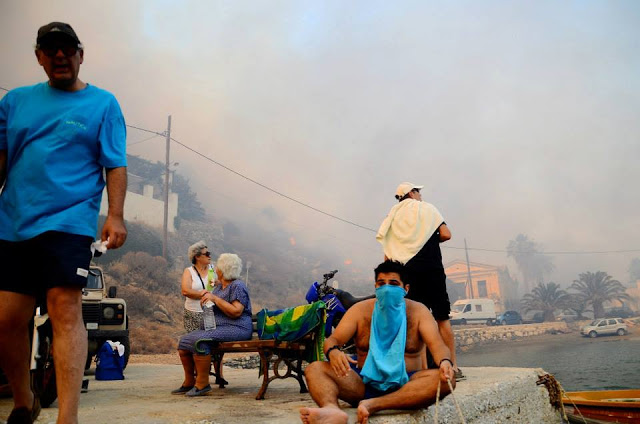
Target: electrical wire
{"points": [[142, 141], [271, 189]]}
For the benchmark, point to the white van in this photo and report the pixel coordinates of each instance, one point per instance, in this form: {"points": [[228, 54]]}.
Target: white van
{"points": [[473, 311]]}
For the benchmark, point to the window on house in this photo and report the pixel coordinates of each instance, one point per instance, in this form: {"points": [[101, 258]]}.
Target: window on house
{"points": [[482, 288]]}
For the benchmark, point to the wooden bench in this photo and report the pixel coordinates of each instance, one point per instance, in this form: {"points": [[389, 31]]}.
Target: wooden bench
{"points": [[273, 354]]}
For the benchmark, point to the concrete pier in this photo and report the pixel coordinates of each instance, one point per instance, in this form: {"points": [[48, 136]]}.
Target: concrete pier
{"points": [[488, 395]]}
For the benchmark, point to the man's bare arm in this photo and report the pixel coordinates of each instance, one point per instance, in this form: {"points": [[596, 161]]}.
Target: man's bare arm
{"points": [[341, 335], [445, 234], [114, 229], [3, 167]]}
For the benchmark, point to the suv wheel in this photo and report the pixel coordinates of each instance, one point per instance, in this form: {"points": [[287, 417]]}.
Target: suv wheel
{"points": [[463, 321], [503, 322], [621, 332], [593, 334]]}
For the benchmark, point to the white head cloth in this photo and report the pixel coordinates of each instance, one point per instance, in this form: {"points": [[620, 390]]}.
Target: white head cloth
{"points": [[407, 228]]}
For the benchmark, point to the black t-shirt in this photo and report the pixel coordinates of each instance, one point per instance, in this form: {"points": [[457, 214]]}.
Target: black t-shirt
{"points": [[430, 256]]}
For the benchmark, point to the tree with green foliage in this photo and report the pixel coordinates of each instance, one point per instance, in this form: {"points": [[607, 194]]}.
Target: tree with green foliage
{"points": [[531, 261], [546, 298], [577, 305], [597, 288]]}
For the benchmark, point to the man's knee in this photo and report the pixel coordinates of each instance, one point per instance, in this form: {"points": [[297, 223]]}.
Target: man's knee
{"points": [[314, 369]]}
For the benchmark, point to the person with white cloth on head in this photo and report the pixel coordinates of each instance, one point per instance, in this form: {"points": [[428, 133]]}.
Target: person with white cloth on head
{"points": [[411, 234]]}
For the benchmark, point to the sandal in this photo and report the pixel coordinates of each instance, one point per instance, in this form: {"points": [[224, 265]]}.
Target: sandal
{"points": [[459, 376], [199, 392], [23, 415], [181, 390]]}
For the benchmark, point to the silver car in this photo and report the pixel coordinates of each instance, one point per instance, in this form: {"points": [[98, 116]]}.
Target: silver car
{"points": [[602, 326]]}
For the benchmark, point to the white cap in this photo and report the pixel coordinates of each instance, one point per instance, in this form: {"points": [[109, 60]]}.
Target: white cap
{"points": [[405, 188]]}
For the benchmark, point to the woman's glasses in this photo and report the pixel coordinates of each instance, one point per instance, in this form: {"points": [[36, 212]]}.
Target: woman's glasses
{"points": [[207, 254]]}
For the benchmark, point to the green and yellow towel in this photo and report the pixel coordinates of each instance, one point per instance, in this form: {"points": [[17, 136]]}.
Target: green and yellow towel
{"points": [[292, 324]]}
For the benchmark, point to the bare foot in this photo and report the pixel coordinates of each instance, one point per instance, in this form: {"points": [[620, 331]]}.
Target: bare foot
{"points": [[326, 415], [363, 412]]}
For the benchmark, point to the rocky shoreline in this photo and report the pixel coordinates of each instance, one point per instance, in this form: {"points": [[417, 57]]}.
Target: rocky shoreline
{"points": [[482, 335]]}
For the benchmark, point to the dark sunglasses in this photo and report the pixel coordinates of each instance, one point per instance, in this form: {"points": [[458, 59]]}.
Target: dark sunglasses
{"points": [[416, 190], [207, 254], [50, 50]]}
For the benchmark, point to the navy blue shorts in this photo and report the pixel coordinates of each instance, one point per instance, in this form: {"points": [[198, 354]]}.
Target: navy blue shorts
{"points": [[429, 287], [51, 259], [370, 391]]}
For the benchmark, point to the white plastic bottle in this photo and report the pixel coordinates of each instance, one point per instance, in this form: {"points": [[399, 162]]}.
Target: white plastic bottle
{"points": [[209, 317]]}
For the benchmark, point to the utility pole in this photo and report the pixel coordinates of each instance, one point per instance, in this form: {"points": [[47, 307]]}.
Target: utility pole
{"points": [[166, 192], [469, 282]]}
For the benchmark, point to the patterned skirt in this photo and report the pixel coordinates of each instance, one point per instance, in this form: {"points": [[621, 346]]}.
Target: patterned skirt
{"points": [[193, 321]]}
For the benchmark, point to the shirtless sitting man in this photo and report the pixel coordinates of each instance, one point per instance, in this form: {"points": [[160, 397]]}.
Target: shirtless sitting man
{"points": [[382, 377]]}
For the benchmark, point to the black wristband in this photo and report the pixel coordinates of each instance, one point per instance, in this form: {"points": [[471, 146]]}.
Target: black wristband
{"points": [[445, 359], [329, 351]]}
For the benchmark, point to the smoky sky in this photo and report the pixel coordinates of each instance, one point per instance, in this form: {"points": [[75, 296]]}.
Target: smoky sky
{"points": [[518, 117]]}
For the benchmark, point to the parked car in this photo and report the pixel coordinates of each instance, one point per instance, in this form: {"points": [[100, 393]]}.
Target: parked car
{"points": [[536, 318], [603, 326], [508, 317], [567, 316], [619, 312], [465, 311]]}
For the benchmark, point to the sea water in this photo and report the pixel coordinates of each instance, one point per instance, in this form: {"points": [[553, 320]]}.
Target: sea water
{"points": [[578, 363]]}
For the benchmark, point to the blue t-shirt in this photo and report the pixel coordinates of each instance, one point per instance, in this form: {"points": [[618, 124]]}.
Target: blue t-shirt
{"points": [[57, 145]]}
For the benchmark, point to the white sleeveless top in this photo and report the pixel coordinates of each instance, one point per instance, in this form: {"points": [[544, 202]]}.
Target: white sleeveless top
{"points": [[193, 305]]}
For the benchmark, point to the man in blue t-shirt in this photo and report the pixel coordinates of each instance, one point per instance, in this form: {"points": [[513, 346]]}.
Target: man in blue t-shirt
{"points": [[61, 142]]}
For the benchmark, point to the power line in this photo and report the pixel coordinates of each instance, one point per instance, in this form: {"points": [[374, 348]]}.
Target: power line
{"points": [[142, 141], [567, 252], [146, 130], [271, 189]]}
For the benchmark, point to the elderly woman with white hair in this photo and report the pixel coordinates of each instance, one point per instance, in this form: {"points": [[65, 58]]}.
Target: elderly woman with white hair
{"points": [[195, 280], [232, 310]]}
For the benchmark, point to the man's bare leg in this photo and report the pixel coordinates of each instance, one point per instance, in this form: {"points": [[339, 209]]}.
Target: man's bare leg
{"points": [[446, 332], [69, 348], [326, 388], [419, 392], [15, 313]]}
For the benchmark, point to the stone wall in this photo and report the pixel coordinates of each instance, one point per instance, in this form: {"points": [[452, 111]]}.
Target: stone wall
{"points": [[467, 337], [488, 396]]}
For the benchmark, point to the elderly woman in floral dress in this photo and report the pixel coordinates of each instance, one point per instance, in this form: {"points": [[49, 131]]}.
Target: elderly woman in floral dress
{"points": [[232, 310]]}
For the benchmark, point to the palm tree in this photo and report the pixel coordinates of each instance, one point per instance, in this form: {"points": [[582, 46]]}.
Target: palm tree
{"points": [[533, 264], [577, 305], [546, 298], [597, 288]]}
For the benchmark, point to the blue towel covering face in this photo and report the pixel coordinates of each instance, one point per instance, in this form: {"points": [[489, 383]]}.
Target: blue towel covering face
{"points": [[384, 367]]}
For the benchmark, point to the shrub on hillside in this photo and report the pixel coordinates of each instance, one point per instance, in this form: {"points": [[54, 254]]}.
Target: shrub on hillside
{"points": [[152, 339], [140, 269]]}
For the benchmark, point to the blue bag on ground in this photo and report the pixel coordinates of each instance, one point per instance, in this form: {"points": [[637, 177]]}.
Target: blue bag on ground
{"points": [[109, 364]]}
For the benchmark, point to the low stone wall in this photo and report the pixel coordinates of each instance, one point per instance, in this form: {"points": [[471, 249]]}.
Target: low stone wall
{"points": [[467, 337], [488, 396]]}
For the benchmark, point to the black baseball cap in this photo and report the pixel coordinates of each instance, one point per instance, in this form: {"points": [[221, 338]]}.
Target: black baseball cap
{"points": [[56, 28]]}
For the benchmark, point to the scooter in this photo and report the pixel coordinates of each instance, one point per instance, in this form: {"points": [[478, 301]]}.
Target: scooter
{"points": [[337, 301]]}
